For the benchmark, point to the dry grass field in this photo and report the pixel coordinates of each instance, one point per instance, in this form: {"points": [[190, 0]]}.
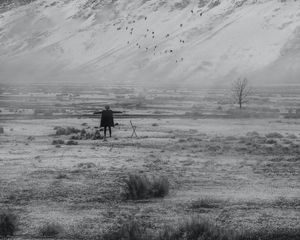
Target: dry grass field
{"points": [[240, 174], [198, 168]]}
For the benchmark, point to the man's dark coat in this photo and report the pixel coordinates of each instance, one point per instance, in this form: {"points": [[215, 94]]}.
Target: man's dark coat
{"points": [[107, 119]]}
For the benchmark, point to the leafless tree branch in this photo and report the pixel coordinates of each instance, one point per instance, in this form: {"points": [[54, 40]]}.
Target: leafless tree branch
{"points": [[241, 91]]}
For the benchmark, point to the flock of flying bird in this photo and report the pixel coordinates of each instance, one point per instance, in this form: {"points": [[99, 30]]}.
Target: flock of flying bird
{"points": [[152, 35]]}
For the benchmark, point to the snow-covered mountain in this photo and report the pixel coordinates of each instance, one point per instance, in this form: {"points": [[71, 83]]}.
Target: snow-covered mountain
{"points": [[150, 42]]}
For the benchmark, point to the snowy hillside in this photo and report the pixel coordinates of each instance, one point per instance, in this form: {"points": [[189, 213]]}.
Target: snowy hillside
{"points": [[155, 42]]}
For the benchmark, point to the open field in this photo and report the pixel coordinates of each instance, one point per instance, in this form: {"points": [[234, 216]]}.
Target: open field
{"points": [[240, 173], [204, 100]]}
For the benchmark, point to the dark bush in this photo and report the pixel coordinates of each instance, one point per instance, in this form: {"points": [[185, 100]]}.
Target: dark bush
{"points": [[58, 142], [141, 187], [160, 187], [66, 131], [271, 141], [8, 224], [61, 176], [71, 142], [137, 187], [51, 230], [206, 203]]}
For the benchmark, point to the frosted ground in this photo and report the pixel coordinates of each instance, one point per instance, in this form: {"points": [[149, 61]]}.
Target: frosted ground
{"points": [[221, 160], [240, 172]]}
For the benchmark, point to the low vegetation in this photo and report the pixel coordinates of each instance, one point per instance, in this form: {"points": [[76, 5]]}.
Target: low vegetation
{"points": [[86, 165], [66, 131], [71, 142], [193, 230], [51, 230], [61, 176], [141, 187], [8, 224], [206, 202], [128, 231], [274, 135], [58, 142], [196, 229]]}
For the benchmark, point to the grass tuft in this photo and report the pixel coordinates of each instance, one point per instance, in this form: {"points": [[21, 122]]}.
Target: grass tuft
{"points": [[194, 229], [58, 142], [66, 131], [62, 176], [274, 135], [139, 187], [51, 230], [8, 224], [71, 142], [206, 202]]}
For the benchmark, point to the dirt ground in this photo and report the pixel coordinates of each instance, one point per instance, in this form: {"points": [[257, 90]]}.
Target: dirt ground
{"points": [[249, 177]]}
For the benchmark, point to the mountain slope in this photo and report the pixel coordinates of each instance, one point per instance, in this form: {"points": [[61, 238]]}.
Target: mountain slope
{"points": [[180, 43]]}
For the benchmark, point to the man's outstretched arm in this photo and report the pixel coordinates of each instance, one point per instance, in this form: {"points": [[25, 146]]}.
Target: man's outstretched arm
{"points": [[98, 112]]}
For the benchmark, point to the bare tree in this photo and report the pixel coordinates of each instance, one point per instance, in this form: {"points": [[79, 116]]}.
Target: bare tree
{"points": [[241, 91]]}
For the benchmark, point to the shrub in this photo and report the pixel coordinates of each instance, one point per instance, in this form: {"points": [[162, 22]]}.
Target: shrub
{"points": [[86, 165], [75, 137], [51, 230], [274, 135], [205, 203], [66, 131], [8, 224], [58, 142], [160, 187], [140, 187], [61, 176], [271, 141], [137, 187], [71, 142]]}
